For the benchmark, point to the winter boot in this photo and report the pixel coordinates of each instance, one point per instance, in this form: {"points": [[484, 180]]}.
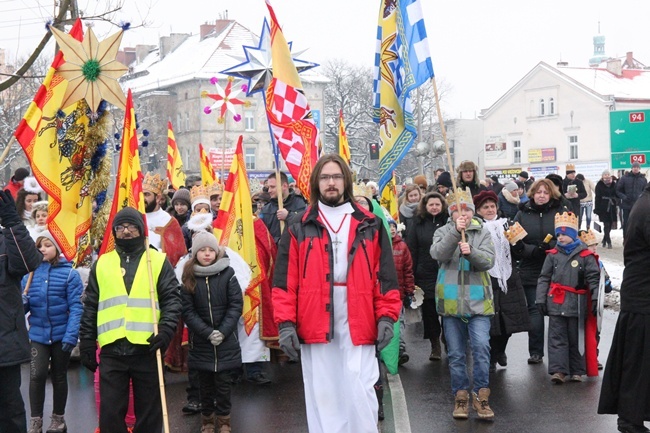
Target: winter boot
{"points": [[35, 425], [223, 422], [57, 425], [207, 423], [461, 404], [481, 404], [379, 391], [435, 350]]}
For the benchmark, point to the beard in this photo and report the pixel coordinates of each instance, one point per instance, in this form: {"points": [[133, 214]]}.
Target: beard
{"points": [[150, 207], [332, 200]]}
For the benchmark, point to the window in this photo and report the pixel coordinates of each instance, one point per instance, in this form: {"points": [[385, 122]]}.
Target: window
{"points": [[516, 146], [249, 120], [187, 121], [179, 122], [541, 107], [250, 158], [573, 147], [551, 106]]}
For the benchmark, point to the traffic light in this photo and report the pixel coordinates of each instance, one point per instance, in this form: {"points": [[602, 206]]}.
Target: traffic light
{"points": [[374, 151]]}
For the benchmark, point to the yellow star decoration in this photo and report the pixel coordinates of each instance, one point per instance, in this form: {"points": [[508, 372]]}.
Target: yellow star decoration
{"points": [[91, 69]]}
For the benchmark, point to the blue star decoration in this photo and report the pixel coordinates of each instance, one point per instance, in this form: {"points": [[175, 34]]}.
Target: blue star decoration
{"points": [[257, 66]]}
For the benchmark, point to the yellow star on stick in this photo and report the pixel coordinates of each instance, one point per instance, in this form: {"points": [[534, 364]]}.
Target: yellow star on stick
{"points": [[91, 69]]}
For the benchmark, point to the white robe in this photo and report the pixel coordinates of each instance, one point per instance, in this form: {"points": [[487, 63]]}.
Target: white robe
{"points": [[339, 377], [158, 218]]}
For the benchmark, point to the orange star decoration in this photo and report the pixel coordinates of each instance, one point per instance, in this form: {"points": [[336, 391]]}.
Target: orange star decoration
{"points": [[91, 69]]}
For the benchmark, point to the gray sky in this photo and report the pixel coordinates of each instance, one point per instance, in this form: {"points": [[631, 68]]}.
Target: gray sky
{"points": [[480, 48]]}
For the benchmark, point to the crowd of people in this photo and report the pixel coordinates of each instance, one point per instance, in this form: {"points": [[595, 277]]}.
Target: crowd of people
{"points": [[480, 262]]}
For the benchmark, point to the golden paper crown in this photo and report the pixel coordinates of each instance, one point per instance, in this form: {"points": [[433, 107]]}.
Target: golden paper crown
{"points": [[153, 183], [199, 192], [460, 196], [588, 237], [515, 233], [215, 188], [566, 219], [361, 190], [570, 167], [256, 187]]}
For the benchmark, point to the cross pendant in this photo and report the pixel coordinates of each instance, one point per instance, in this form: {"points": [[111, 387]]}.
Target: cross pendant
{"points": [[336, 243]]}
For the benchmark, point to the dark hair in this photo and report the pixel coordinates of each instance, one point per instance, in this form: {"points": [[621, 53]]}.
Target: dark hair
{"points": [[315, 176], [188, 279], [53, 261], [283, 177], [190, 180], [422, 209], [20, 200], [580, 176]]}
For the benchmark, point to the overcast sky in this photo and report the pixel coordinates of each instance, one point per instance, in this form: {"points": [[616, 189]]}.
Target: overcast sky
{"points": [[479, 48]]}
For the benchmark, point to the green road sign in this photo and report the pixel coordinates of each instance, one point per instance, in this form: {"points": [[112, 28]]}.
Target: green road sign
{"points": [[629, 137]]}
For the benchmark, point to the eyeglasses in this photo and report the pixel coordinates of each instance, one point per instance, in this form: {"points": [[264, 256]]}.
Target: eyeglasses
{"points": [[130, 228], [327, 177]]}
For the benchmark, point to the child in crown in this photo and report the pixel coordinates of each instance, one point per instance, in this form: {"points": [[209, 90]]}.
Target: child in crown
{"points": [[567, 292]]}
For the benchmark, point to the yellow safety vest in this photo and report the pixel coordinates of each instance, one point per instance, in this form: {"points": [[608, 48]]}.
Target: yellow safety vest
{"points": [[119, 314]]}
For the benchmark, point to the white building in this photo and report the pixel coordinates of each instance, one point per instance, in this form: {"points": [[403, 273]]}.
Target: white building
{"points": [[559, 115]]}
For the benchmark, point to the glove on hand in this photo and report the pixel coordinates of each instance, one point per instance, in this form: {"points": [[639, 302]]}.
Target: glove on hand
{"points": [[407, 300], [518, 247], [67, 347], [384, 332], [216, 338], [543, 309], [545, 246], [87, 350], [159, 341], [289, 342], [8, 212]]}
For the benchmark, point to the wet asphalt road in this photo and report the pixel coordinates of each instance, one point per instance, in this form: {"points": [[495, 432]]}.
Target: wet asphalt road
{"points": [[523, 397]]}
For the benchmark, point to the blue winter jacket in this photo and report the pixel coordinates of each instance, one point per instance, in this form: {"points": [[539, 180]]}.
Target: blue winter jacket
{"points": [[54, 300]]}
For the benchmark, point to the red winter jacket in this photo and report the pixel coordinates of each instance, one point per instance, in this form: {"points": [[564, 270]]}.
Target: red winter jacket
{"points": [[404, 266], [303, 287]]}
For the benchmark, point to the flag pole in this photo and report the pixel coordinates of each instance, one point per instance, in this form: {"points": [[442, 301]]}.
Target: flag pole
{"points": [[223, 155], [444, 138], [275, 149], [161, 379], [7, 148]]}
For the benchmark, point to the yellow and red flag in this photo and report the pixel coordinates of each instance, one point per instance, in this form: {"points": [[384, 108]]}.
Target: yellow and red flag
{"points": [[291, 119], [128, 182], [344, 147], [208, 176], [54, 141], [389, 198], [234, 228], [175, 171]]}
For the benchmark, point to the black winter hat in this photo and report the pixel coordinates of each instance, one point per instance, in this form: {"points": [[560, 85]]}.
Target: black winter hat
{"points": [[129, 215], [523, 174], [556, 179], [20, 174], [444, 179]]}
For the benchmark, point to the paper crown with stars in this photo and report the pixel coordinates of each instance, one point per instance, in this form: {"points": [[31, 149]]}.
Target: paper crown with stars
{"points": [[215, 188], [588, 237], [153, 183], [361, 190], [515, 233], [460, 197]]}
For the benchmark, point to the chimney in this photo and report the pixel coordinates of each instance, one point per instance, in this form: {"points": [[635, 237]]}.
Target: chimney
{"points": [[221, 25], [629, 60], [206, 29], [614, 67], [562, 64], [170, 43], [127, 56], [142, 51]]}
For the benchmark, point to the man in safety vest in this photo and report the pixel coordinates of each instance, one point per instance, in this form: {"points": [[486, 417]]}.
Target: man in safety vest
{"points": [[118, 314]]}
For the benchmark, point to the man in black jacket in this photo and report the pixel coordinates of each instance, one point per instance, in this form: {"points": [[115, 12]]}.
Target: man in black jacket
{"points": [[292, 206], [574, 190], [18, 256], [117, 313], [628, 189]]}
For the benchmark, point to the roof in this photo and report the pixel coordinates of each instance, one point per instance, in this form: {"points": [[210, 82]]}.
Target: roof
{"points": [[631, 85], [196, 59]]}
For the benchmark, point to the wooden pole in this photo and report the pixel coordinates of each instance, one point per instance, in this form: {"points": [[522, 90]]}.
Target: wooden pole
{"points": [[223, 156], [154, 310], [452, 172], [29, 283], [7, 148]]}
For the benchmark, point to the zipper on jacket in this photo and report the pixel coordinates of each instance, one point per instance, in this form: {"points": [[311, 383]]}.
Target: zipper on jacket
{"points": [[304, 270], [214, 348], [365, 251]]}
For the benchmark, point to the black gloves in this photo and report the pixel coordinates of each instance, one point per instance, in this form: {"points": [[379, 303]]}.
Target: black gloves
{"points": [[87, 352], [384, 333], [543, 309], [545, 246], [8, 212], [67, 347], [539, 253], [408, 298], [159, 341], [289, 342], [518, 248]]}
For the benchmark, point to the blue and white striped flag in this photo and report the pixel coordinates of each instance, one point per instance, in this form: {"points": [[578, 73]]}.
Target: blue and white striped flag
{"points": [[402, 63]]}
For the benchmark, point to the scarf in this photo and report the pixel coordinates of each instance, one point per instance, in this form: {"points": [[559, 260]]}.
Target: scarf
{"points": [[502, 268], [408, 209], [205, 271], [568, 248]]}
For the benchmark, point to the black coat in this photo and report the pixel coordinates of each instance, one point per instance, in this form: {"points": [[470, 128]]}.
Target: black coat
{"points": [[510, 309], [216, 303], [293, 203], [18, 256], [538, 221], [635, 288], [629, 188], [582, 193], [419, 238], [605, 203]]}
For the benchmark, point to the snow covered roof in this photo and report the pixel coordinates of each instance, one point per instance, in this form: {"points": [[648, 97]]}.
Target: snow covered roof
{"points": [[196, 58]]}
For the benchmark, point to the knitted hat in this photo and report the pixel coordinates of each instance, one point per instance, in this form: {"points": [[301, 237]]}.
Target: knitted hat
{"points": [[636, 165], [495, 178], [421, 181], [182, 195], [202, 240], [444, 179], [47, 235], [20, 174], [523, 174], [510, 186], [484, 196], [129, 215]]}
